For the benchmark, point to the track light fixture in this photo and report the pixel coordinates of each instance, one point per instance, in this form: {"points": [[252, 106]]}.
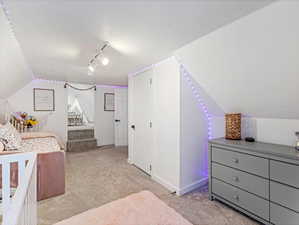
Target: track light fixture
{"points": [[99, 57]]}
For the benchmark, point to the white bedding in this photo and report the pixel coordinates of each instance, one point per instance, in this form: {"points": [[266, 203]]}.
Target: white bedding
{"points": [[40, 145]]}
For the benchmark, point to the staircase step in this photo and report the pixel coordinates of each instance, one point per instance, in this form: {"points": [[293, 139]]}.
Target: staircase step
{"points": [[81, 140], [81, 145], [80, 134]]}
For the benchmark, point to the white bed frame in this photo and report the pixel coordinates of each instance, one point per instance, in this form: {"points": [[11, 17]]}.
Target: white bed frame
{"points": [[8, 111], [19, 208], [22, 128]]}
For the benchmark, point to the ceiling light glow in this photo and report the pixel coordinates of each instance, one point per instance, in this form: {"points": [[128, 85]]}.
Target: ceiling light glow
{"points": [[99, 57], [105, 61], [90, 68]]}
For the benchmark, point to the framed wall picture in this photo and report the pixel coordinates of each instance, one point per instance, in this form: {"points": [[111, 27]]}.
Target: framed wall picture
{"points": [[108, 102], [43, 99]]}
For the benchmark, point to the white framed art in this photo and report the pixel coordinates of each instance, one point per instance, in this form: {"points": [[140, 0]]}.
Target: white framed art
{"points": [[43, 99], [108, 101]]}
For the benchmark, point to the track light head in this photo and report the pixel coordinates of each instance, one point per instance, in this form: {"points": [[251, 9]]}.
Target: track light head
{"points": [[99, 57], [91, 68], [105, 61]]}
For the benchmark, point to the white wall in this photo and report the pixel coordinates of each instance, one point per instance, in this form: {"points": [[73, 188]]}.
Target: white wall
{"points": [[251, 66], [277, 131], [2, 111], [22, 100], [194, 139], [166, 123], [104, 120], [14, 71]]}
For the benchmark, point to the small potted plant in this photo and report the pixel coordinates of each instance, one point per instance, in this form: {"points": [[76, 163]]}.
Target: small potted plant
{"points": [[31, 121]]}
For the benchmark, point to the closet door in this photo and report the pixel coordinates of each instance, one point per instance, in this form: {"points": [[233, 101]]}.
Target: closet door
{"points": [[121, 117], [141, 120]]}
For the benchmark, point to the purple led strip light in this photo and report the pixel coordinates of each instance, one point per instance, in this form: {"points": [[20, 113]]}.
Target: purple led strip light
{"points": [[12, 29], [196, 94], [63, 82], [7, 15]]}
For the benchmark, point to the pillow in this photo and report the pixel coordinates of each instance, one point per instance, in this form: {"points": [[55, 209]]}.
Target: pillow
{"points": [[2, 146], [12, 136]]}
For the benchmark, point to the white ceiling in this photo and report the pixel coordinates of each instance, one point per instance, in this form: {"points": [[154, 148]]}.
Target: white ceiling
{"points": [[14, 71], [59, 38], [252, 65]]}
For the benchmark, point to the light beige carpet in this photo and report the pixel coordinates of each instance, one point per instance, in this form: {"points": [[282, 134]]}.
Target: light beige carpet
{"points": [[136, 209], [98, 177]]}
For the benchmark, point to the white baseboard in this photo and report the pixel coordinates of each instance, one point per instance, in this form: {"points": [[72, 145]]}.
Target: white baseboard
{"points": [[164, 183], [192, 186], [130, 161]]}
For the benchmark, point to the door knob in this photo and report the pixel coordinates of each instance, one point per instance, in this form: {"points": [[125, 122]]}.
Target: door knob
{"points": [[236, 160], [117, 120], [236, 197], [133, 127], [236, 179]]}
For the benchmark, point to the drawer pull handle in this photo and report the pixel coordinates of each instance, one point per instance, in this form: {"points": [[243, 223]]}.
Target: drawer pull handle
{"points": [[236, 197], [236, 160], [236, 178]]}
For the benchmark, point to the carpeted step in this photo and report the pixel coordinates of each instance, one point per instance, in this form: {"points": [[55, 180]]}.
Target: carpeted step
{"points": [[81, 145], [80, 134]]}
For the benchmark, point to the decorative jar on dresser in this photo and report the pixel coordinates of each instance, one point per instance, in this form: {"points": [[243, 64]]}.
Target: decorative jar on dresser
{"points": [[258, 179]]}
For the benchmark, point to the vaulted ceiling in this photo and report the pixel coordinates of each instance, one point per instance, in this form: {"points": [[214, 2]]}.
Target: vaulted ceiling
{"points": [[252, 65], [58, 38], [14, 70]]}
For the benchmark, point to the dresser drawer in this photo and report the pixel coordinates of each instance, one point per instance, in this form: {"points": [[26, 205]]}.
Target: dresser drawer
{"points": [[284, 173], [283, 216], [285, 195], [243, 199], [250, 183], [248, 163]]}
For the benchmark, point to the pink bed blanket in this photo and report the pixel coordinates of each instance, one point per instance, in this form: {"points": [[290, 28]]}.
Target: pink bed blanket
{"points": [[50, 164], [34, 135]]}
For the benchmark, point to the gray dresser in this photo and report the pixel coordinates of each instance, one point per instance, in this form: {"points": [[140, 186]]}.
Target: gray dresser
{"points": [[259, 179]]}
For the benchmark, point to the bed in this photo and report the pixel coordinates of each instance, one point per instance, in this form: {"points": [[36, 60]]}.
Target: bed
{"points": [[50, 163]]}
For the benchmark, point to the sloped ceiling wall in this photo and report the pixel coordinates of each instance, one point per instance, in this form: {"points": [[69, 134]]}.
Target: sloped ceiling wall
{"points": [[14, 71], [252, 65], [59, 37]]}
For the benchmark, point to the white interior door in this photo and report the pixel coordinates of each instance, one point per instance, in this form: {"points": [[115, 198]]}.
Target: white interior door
{"points": [[141, 123], [121, 116]]}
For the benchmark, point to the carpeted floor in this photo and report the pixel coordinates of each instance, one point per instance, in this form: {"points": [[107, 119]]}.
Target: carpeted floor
{"points": [[100, 176]]}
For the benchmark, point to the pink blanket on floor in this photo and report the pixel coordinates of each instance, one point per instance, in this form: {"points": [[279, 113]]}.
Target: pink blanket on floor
{"points": [[143, 208]]}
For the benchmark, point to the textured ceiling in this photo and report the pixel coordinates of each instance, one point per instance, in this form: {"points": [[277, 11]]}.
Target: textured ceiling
{"points": [[59, 38]]}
